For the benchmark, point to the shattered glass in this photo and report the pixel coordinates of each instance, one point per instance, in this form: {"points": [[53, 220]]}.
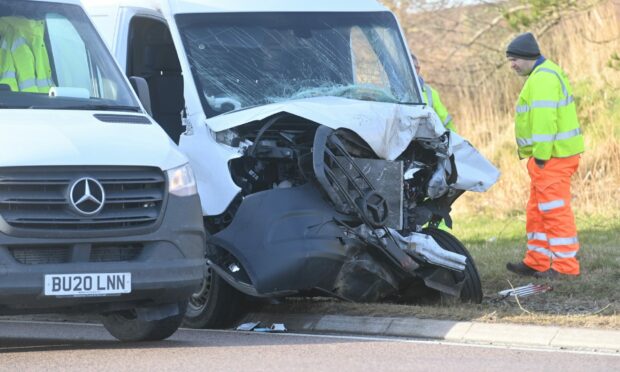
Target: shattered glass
{"points": [[246, 60]]}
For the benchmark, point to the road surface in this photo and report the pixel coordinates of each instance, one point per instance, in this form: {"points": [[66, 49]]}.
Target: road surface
{"points": [[56, 346]]}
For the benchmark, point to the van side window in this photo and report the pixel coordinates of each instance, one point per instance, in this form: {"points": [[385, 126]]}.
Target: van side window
{"points": [[151, 55], [69, 53]]}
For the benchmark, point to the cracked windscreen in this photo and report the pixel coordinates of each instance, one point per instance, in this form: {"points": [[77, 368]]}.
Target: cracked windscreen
{"points": [[241, 60]]}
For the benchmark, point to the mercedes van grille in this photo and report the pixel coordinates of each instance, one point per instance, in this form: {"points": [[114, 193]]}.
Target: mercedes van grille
{"points": [[38, 198], [56, 254]]}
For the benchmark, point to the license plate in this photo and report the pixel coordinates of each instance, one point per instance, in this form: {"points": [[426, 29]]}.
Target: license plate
{"points": [[87, 285]]}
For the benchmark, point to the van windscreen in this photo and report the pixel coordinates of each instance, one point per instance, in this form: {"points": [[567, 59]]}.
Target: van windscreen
{"points": [[241, 60], [51, 57]]}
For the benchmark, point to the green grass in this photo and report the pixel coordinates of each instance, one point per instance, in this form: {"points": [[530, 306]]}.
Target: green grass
{"points": [[590, 300], [494, 242]]}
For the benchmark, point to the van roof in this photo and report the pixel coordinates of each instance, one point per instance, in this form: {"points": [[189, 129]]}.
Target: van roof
{"points": [[235, 6]]}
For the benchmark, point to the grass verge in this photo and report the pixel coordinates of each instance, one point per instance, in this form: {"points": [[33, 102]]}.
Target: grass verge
{"points": [[591, 300]]}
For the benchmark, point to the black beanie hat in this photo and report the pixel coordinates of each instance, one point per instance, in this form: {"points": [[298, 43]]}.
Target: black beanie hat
{"points": [[523, 46]]}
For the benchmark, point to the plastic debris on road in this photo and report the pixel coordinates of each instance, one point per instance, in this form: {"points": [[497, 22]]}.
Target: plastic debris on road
{"points": [[278, 327], [254, 326], [524, 291], [247, 326]]}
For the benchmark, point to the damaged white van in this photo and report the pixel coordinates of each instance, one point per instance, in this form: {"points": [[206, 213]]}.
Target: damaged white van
{"points": [[320, 170], [99, 211]]}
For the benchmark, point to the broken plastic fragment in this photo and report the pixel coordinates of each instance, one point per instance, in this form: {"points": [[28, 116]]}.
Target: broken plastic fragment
{"points": [[426, 246], [524, 291], [253, 326], [278, 327], [262, 329], [275, 327], [247, 326]]}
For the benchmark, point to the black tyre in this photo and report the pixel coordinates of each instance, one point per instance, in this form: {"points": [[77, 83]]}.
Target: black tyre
{"points": [[215, 305], [127, 326], [472, 289]]}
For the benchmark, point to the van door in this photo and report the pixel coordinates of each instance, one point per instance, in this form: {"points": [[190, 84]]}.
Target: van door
{"points": [[149, 53]]}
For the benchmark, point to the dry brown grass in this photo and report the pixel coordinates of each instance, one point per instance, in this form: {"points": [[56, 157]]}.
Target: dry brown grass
{"points": [[479, 89]]}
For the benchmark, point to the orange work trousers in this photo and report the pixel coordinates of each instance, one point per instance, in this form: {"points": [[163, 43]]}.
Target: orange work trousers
{"points": [[551, 231]]}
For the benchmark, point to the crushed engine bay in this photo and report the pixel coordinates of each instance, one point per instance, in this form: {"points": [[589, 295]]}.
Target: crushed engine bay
{"points": [[320, 213]]}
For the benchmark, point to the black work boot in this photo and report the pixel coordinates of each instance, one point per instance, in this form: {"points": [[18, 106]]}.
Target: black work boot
{"points": [[520, 269]]}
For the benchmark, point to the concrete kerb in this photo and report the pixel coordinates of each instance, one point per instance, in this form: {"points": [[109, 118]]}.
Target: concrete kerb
{"points": [[452, 331]]}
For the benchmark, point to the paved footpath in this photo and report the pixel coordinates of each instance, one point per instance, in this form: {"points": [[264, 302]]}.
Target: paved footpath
{"points": [[463, 332]]}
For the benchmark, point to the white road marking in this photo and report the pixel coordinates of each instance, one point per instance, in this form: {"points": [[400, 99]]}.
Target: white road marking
{"points": [[418, 341], [343, 337]]}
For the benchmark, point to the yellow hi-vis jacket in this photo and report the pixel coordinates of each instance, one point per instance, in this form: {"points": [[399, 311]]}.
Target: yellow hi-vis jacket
{"points": [[24, 61], [546, 123], [431, 98]]}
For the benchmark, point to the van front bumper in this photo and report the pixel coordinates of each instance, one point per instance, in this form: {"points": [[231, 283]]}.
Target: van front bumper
{"points": [[166, 265]]}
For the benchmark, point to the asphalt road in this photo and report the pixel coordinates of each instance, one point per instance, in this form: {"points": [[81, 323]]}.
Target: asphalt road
{"points": [[44, 346]]}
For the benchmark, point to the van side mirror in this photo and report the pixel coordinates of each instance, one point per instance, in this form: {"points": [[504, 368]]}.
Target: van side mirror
{"points": [[141, 87]]}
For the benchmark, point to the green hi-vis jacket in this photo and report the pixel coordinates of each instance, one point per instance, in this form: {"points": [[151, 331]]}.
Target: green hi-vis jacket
{"points": [[24, 61], [431, 98], [546, 123]]}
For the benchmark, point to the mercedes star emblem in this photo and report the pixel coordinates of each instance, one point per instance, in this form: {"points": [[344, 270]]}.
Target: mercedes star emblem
{"points": [[87, 196]]}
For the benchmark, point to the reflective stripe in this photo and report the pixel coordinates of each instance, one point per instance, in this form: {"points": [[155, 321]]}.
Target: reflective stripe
{"points": [[521, 109], [548, 104], [537, 236], [550, 254], [4, 45], [17, 43], [429, 95], [563, 241], [567, 135], [448, 119], [26, 84], [565, 254], [553, 104], [543, 137], [524, 142], [548, 137], [541, 250], [8, 75], [44, 83], [545, 207], [564, 90]]}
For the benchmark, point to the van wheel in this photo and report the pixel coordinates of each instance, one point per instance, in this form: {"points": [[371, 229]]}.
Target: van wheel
{"points": [[472, 289], [215, 305], [127, 326]]}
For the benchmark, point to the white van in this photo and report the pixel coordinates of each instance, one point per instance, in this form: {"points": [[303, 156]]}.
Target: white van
{"points": [[98, 209], [317, 162]]}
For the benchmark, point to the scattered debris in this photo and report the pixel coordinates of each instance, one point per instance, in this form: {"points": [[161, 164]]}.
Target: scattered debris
{"points": [[524, 291], [254, 326], [278, 327], [262, 329], [247, 326]]}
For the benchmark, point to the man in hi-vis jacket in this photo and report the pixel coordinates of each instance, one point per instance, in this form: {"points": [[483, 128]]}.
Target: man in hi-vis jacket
{"points": [[549, 137], [431, 98]]}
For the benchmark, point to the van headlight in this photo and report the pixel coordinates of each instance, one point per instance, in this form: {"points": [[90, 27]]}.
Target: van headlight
{"points": [[181, 181]]}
